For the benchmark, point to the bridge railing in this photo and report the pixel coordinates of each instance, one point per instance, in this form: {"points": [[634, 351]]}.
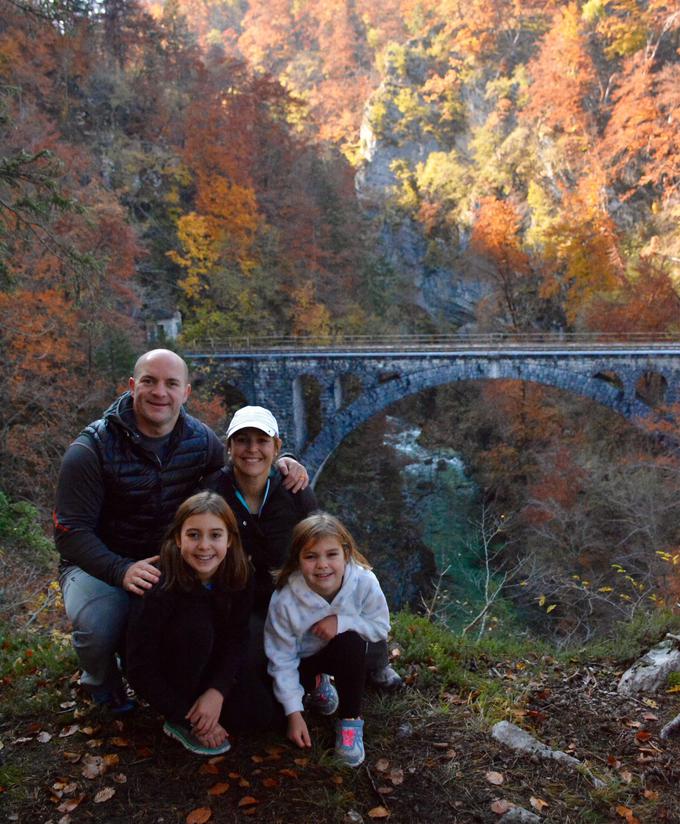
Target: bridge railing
{"points": [[424, 343]]}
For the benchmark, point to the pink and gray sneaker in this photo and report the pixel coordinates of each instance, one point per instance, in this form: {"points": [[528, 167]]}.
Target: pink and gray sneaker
{"points": [[349, 741], [324, 697]]}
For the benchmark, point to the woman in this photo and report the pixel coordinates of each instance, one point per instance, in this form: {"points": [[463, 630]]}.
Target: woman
{"points": [[253, 487]]}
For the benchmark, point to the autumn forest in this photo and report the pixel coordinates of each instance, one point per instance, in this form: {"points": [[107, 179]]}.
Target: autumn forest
{"points": [[343, 167]]}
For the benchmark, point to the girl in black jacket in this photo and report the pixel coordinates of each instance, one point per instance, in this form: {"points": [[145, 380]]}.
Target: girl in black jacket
{"points": [[187, 638]]}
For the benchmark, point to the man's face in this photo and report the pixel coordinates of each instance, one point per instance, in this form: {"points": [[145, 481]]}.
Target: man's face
{"points": [[159, 387]]}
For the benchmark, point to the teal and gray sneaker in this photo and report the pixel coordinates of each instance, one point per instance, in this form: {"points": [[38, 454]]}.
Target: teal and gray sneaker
{"points": [[349, 741], [189, 741], [324, 697]]}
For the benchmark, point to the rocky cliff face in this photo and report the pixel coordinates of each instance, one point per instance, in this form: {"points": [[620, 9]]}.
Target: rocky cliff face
{"points": [[399, 132]]}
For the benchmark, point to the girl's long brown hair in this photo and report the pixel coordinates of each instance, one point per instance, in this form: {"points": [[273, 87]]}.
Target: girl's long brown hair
{"points": [[311, 530], [232, 573]]}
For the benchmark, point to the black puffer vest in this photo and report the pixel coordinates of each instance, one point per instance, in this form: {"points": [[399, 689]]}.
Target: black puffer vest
{"points": [[141, 494]]}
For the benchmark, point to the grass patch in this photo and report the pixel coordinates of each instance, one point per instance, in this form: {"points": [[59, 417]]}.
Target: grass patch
{"points": [[631, 639], [33, 666]]}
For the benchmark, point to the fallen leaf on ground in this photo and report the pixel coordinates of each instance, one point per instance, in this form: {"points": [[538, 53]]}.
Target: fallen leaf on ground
{"points": [[89, 730], [301, 762], [120, 778], [209, 769], [248, 801], [494, 777], [217, 759], [385, 790], [199, 816], [269, 783], [441, 745], [111, 760], [627, 814], [219, 789], [382, 764], [44, 737], [288, 772], [500, 806], [69, 804], [337, 779], [643, 735], [71, 757], [104, 795], [144, 752], [67, 705], [379, 812], [256, 759], [94, 743], [274, 750], [120, 742], [651, 795], [626, 776], [397, 776], [537, 803], [244, 783], [93, 766]]}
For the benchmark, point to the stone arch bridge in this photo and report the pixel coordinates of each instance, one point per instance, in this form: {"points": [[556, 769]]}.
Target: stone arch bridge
{"points": [[358, 377]]}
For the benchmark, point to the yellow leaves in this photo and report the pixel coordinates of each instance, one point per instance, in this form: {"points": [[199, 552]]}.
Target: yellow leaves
{"points": [[310, 317], [541, 602]]}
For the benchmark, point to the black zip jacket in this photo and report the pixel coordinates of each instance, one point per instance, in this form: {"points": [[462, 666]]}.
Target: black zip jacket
{"points": [[179, 644], [266, 537], [115, 498]]}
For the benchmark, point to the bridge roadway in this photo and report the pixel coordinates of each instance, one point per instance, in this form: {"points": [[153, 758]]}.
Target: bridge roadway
{"points": [[631, 374]]}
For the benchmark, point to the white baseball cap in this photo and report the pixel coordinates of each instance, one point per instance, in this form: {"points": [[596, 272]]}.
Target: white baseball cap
{"points": [[255, 417]]}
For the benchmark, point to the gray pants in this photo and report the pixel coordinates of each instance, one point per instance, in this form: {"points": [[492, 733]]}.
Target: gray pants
{"points": [[98, 612]]}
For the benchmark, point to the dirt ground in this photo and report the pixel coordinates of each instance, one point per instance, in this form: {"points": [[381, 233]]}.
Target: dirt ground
{"points": [[430, 758]]}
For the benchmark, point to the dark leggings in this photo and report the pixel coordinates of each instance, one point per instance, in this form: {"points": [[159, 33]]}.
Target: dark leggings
{"points": [[344, 657]]}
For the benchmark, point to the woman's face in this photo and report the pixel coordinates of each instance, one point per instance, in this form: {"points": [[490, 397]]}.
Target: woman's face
{"points": [[252, 453]]}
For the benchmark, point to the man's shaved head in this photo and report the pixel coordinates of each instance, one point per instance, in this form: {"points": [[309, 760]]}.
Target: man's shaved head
{"points": [[144, 359]]}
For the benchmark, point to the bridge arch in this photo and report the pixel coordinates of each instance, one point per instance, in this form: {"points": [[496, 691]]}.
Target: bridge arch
{"points": [[379, 396]]}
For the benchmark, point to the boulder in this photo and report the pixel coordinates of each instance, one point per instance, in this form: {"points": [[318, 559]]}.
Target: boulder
{"points": [[651, 672]]}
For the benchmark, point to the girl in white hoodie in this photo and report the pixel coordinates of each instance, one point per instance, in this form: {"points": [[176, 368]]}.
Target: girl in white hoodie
{"points": [[326, 606]]}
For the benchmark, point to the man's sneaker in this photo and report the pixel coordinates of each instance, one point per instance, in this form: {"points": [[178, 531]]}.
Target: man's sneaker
{"points": [[386, 678], [324, 697], [189, 741], [116, 699], [349, 741]]}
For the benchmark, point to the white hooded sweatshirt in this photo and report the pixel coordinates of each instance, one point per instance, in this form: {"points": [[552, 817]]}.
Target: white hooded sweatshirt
{"points": [[359, 605]]}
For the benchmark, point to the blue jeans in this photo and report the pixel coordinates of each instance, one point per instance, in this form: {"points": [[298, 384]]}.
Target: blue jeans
{"points": [[98, 612]]}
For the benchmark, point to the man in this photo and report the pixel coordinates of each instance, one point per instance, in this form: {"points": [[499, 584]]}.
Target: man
{"points": [[119, 485]]}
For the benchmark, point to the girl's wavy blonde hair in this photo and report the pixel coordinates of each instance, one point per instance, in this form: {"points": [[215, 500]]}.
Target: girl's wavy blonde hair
{"points": [[232, 573], [307, 533]]}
